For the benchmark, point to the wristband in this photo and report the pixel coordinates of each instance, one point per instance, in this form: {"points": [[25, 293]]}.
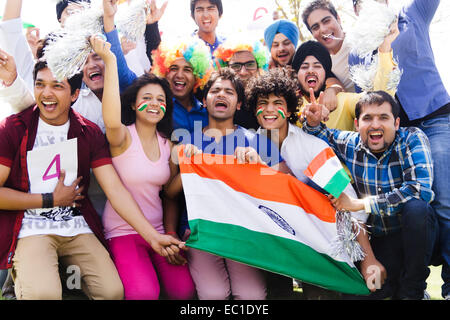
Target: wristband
{"points": [[47, 200], [172, 233]]}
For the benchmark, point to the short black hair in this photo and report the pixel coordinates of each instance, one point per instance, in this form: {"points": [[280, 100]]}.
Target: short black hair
{"points": [[128, 99], [62, 4], [74, 82], [227, 74], [217, 3], [280, 81], [377, 98], [318, 4]]}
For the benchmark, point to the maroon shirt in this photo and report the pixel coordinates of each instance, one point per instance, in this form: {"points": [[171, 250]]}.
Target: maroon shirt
{"points": [[17, 136]]}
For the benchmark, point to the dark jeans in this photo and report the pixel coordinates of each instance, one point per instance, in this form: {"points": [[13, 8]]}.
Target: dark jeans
{"points": [[406, 254], [437, 130]]}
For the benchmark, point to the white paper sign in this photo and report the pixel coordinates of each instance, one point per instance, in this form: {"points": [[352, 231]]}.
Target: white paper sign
{"points": [[45, 164]]}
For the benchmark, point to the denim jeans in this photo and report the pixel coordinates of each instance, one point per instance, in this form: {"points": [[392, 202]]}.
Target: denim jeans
{"points": [[437, 130], [406, 253]]}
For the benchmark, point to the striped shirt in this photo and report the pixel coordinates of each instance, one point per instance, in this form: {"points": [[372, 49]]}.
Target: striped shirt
{"points": [[403, 172]]}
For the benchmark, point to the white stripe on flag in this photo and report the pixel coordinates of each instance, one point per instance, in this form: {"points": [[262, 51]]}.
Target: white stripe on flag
{"points": [[203, 200], [327, 171]]}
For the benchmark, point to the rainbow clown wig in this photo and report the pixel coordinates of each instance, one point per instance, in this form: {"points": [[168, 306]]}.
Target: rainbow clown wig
{"points": [[194, 51], [226, 50]]}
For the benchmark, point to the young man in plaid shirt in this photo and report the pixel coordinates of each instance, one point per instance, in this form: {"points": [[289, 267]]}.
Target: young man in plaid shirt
{"points": [[393, 173]]}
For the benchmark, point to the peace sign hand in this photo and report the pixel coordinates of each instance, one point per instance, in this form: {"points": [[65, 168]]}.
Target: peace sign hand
{"points": [[314, 109]]}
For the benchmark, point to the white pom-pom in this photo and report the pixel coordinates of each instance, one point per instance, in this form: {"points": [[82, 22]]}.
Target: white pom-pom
{"points": [[69, 48], [394, 79], [348, 229], [131, 20], [363, 75], [371, 27]]}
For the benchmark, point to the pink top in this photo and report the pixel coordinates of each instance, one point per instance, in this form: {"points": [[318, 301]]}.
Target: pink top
{"points": [[144, 180]]}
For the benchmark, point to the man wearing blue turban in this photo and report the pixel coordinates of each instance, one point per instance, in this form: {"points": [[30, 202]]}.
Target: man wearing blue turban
{"points": [[281, 38]]}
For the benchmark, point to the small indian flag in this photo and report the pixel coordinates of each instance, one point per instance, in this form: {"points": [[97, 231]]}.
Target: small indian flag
{"points": [[327, 172], [272, 222]]}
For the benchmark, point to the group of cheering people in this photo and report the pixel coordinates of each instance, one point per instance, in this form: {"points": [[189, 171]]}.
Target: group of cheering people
{"points": [[117, 210]]}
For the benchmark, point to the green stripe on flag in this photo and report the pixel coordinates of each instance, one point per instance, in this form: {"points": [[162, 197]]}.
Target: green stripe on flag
{"points": [[338, 183], [276, 254]]}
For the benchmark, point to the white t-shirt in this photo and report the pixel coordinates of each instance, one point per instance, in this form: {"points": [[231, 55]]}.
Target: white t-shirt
{"points": [[340, 66], [299, 149], [62, 221]]}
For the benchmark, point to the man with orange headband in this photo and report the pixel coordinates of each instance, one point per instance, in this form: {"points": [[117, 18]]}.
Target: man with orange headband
{"points": [[248, 58]]}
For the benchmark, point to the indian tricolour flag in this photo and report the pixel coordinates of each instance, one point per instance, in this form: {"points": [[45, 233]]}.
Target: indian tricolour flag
{"points": [[270, 221], [327, 172]]}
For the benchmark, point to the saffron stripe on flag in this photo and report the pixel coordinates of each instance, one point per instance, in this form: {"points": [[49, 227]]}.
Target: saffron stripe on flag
{"points": [[319, 161], [327, 172], [280, 189]]}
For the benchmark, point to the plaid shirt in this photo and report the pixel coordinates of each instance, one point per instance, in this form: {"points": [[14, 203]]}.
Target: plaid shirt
{"points": [[404, 171]]}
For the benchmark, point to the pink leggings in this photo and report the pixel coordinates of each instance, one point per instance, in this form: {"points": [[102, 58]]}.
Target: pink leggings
{"points": [[141, 270]]}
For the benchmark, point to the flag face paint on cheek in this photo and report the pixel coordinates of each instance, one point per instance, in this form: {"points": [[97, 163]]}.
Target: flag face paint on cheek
{"points": [[282, 113], [142, 106], [163, 107], [259, 111]]}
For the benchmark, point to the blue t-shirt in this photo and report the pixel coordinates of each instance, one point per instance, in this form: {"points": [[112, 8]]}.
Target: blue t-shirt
{"points": [[421, 90], [196, 118], [240, 137]]}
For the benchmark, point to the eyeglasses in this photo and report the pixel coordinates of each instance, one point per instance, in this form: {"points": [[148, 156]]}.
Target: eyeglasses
{"points": [[249, 65]]}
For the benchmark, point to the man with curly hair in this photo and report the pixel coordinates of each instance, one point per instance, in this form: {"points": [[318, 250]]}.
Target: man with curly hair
{"points": [[187, 66], [272, 97]]}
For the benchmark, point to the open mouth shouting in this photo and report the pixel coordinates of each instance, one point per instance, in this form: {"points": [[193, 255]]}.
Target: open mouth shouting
{"points": [[179, 85], [49, 106], [95, 76], [206, 23], [221, 105], [375, 136], [312, 80]]}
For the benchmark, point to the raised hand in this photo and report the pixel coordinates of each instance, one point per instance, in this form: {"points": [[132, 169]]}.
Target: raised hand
{"points": [[127, 45], [110, 8], [33, 37], [66, 196], [109, 11], [101, 46], [8, 70], [394, 32], [313, 110], [155, 13]]}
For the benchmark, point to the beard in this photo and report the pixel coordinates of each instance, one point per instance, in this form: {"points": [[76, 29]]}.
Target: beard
{"points": [[305, 91]]}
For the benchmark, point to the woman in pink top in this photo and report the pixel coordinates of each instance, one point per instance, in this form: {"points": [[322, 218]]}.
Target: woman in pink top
{"points": [[140, 150]]}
